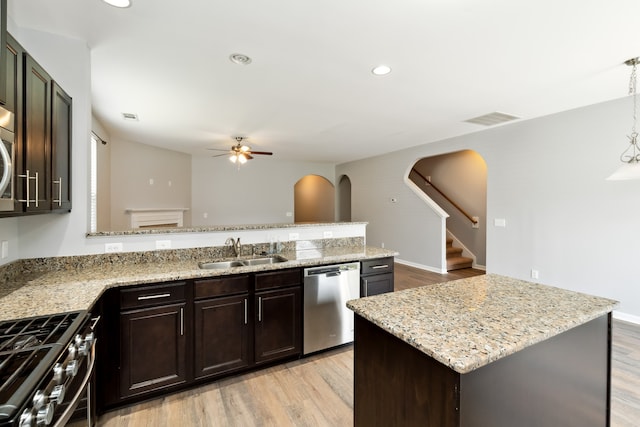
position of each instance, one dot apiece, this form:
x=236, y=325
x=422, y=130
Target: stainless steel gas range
x=46, y=365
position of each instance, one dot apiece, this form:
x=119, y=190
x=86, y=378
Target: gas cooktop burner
x=28, y=350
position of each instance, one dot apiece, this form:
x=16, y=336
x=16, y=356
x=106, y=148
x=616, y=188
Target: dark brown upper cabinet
x=34, y=178
x=60, y=150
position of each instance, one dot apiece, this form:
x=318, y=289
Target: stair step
x=459, y=262
x=449, y=242
x=453, y=252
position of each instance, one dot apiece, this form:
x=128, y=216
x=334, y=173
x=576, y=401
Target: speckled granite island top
x=67, y=288
x=468, y=323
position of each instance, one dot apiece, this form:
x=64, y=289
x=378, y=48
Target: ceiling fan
x=240, y=153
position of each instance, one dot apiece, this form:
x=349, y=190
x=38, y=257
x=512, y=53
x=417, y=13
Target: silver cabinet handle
x=59, y=182
x=146, y=297
x=366, y=287
x=181, y=321
x=37, y=195
x=259, y=309
x=245, y=311
x=376, y=267
x=28, y=178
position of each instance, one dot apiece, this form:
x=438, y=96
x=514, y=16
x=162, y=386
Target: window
x=93, y=187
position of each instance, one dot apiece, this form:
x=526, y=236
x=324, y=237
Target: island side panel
x=397, y=385
x=563, y=381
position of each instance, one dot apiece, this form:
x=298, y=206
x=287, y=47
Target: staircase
x=455, y=260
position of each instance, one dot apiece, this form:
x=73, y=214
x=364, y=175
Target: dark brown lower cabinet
x=278, y=324
x=564, y=381
x=171, y=335
x=153, y=348
x=221, y=335
x=376, y=276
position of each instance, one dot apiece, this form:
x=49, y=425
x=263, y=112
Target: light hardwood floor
x=318, y=391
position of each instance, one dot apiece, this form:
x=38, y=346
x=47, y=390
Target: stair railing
x=454, y=204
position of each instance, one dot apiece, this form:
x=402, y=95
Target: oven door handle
x=7, y=170
x=73, y=404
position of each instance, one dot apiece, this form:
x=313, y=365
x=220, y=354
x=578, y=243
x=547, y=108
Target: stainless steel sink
x=220, y=265
x=272, y=259
x=241, y=262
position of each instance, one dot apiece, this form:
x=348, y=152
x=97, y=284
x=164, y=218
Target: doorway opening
x=314, y=199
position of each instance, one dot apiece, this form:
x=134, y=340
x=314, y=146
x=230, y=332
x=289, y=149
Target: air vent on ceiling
x=491, y=119
x=130, y=116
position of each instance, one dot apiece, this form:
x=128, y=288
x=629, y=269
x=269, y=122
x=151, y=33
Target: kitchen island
x=483, y=351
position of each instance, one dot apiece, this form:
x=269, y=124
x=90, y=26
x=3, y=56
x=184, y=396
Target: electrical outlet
x=294, y=236
x=163, y=244
x=5, y=249
x=327, y=234
x=500, y=222
x=535, y=274
x=110, y=248
x=289, y=214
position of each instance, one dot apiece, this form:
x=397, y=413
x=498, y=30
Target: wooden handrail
x=454, y=204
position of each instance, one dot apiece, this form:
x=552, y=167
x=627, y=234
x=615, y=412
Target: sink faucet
x=235, y=245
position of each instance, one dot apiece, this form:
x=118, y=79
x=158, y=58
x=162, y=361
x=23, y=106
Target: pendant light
x=630, y=157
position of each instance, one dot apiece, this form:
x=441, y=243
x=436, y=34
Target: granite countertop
x=61, y=288
x=468, y=323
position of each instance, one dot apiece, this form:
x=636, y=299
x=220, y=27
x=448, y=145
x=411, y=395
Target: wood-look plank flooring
x=318, y=390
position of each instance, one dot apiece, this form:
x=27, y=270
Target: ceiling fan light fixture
x=242, y=158
x=118, y=3
x=233, y=158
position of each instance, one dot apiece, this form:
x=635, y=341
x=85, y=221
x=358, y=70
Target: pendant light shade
x=630, y=157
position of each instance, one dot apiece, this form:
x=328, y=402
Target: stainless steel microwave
x=7, y=156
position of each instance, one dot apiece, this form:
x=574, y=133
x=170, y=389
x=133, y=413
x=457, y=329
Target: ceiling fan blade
x=218, y=149
x=265, y=153
x=248, y=156
x=220, y=155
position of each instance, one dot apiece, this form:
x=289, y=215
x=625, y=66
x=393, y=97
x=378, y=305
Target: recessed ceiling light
x=118, y=3
x=381, y=70
x=238, y=58
x=130, y=116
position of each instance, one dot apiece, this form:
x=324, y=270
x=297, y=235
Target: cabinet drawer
x=278, y=279
x=147, y=296
x=377, y=266
x=221, y=286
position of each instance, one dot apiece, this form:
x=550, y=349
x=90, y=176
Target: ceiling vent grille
x=492, y=119
x=130, y=116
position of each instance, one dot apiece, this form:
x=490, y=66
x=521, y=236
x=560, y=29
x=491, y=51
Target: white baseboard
x=626, y=317
x=420, y=266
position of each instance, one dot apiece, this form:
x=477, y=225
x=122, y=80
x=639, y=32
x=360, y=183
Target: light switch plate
x=163, y=244
x=110, y=248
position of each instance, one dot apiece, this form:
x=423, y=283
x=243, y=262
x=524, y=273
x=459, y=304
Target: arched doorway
x=457, y=182
x=314, y=199
x=344, y=199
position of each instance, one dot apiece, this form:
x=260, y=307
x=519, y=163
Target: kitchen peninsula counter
x=55, y=285
x=487, y=350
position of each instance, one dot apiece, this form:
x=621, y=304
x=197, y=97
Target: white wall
x=259, y=192
x=546, y=178
x=144, y=176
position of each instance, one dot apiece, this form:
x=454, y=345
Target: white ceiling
x=309, y=92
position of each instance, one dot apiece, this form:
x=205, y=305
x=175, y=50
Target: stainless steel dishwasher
x=327, y=320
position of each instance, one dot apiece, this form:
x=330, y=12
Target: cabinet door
x=3, y=60
x=376, y=284
x=153, y=348
x=35, y=178
x=221, y=335
x=60, y=149
x=278, y=324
